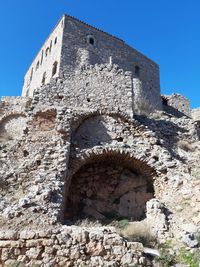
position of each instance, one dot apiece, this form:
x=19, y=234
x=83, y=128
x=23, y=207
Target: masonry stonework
x=41, y=70
x=79, y=46
x=92, y=146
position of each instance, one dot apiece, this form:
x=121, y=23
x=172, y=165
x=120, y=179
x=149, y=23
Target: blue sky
x=167, y=31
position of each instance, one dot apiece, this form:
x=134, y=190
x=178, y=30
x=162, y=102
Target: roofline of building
x=110, y=35
x=85, y=23
x=88, y=25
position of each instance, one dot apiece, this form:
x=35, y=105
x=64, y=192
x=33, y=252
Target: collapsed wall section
x=100, y=87
x=176, y=104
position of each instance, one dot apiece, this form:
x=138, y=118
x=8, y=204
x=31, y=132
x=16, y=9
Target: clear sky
x=167, y=31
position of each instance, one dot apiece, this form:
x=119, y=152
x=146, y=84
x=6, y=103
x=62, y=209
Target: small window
x=50, y=47
x=137, y=71
x=47, y=51
x=91, y=40
x=41, y=58
x=37, y=65
x=44, y=78
x=31, y=77
x=55, y=41
x=54, y=70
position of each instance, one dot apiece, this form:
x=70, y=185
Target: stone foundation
x=69, y=246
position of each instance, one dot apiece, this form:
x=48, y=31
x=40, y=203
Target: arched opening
x=109, y=186
x=137, y=71
x=50, y=47
x=91, y=40
x=42, y=55
x=37, y=65
x=54, y=70
x=101, y=129
x=12, y=126
x=44, y=78
x=47, y=51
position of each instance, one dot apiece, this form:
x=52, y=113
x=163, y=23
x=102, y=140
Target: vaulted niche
x=110, y=185
x=12, y=126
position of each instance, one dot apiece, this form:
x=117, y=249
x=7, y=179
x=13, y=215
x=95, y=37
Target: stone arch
x=108, y=184
x=12, y=126
x=78, y=119
x=100, y=128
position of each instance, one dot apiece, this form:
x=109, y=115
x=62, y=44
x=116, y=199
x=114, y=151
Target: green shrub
x=189, y=258
x=123, y=223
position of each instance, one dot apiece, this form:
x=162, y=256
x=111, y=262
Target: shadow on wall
x=198, y=129
x=166, y=132
x=95, y=131
x=174, y=112
x=110, y=186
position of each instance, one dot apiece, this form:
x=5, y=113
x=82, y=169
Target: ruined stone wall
x=102, y=87
x=196, y=114
x=96, y=88
x=178, y=103
x=13, y=104
x=13, y=117
x=48, y=58
x=69, y=246
x=108, y=191
x=40, y=166
x=37, y=163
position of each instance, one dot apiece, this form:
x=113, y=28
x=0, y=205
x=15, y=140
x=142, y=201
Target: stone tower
x=85, y=141
x=74, y=46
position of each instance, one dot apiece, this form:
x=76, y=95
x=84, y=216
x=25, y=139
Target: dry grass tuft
x=88, y=223
x=138, y=232
x=185, y=145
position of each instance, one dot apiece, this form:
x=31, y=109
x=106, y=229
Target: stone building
x=91, y=139
x=73, y=46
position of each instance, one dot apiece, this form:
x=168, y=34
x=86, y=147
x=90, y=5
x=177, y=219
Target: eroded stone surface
x=94, y=143
x=106, y=190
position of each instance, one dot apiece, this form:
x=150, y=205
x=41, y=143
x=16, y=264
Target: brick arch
x=12, y=114
x=109, y=180
x=121, y=155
